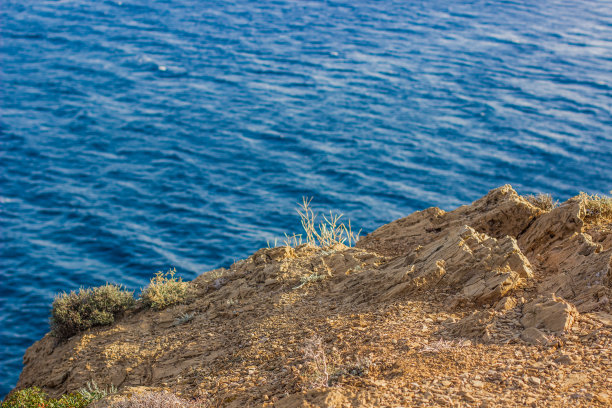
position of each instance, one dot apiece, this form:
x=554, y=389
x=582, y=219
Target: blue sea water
x=139, y=135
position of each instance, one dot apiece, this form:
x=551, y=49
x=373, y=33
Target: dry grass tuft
x=542, y=201
x=327, y=233
x=598, y=208
x=442, y=345
x=164, y=290
x=314, y=277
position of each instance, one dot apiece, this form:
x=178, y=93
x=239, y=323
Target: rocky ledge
x=501, y=302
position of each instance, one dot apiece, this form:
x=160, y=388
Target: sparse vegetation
x=542, y=201
x=184, y=318
x=598, y=208
x=164, y=290
x=34, y=397
x=77, y=311
x=319, y=234
x=361, y=368
x=92, y=392
x=327, y=233
x=442, y=345
x=314, y=277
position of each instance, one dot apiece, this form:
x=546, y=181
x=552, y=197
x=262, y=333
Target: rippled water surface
x=139, y=135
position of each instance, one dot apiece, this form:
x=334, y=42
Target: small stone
x=535, y=381
x=477, y=383
x=563, y=359
x=534, y=336
x=446, y=383
x=468, y=397
x=602, y=397
x=549, y=312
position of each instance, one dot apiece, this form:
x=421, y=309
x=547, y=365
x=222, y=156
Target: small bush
x=34, y=397
x=542, y=201
x=598, y=208
x=30, y=397
x=77, y=311
x=164, y=290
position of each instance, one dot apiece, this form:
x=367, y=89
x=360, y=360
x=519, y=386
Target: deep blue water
x=137, y=135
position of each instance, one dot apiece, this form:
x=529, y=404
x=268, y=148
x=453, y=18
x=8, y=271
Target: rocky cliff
x=501, y=302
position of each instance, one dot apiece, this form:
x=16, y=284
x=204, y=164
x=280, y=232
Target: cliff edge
x=501, y=302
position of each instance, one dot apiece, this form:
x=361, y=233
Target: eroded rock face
x=571, y=264
x=552, y=228
x=550, y=313
x=473, y=266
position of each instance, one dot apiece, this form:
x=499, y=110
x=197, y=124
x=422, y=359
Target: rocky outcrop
x=465, y=307
x=472, y=266
x=500, y=213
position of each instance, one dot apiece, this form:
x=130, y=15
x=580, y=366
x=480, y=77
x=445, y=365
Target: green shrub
x=77, y=311
x=34, y=397
x=29, y=397
x=164, y=290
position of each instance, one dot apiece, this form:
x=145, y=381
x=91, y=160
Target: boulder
x=550, y=313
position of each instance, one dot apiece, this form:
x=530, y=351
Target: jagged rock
x=603, y=318
x=473, y=265
x=501, y=212
x=549, y=312
x=577, y=269
x=547, y=230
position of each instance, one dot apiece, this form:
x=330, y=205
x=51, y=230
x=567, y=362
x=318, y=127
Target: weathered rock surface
x=474, y=266
x=497, y=303
x=549, y=312
x=500, y=213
